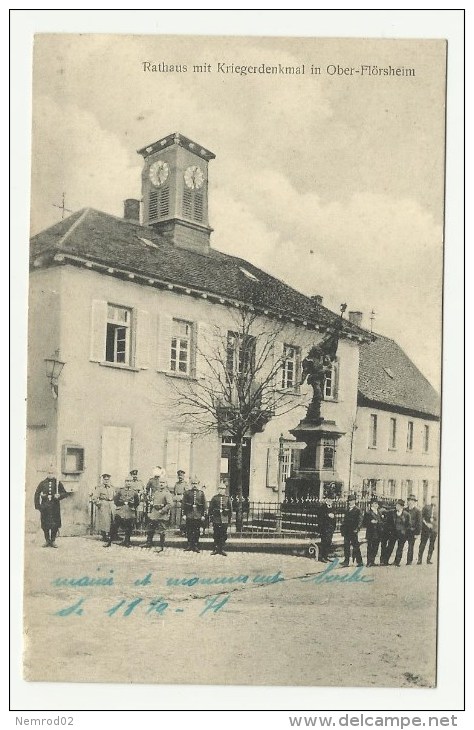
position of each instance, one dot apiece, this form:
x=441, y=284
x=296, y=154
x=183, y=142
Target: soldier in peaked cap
x=126, y=502
x=414, y=527
x=178, y=492
x=350, y=527
x=220, y=513
x=48, y=494
x=194, y=507
x=103, y=499
x=159, y=514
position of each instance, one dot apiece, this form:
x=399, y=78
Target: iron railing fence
x=292, y=518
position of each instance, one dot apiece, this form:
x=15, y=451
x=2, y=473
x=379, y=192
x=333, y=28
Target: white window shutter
x=172, y=448
x=272, y=466
x=278, y=350
x=142, y=339
x=184, y=453
x=98, y=330
x=165, y=325
x=202, y=348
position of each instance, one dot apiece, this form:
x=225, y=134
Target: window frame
x=410, y=433
x=295, y=360
x=426, y=438
x=234, y=358
x=179, y=339
x=118, y=325
x=392, y=434
x=333, y=381
x=373, y=424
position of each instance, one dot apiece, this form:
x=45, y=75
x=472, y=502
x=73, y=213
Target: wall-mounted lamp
x=54, y=367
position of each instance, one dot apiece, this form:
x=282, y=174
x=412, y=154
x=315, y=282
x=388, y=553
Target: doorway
x=228, y=465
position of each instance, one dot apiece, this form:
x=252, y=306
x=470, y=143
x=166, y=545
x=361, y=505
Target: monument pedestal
x=317, y=474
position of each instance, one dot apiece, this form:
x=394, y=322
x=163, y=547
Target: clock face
x=159, y=172
x=194, y=177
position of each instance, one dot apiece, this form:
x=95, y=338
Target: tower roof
x=178, y=139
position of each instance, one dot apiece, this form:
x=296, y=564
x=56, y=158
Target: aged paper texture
x=234, y=360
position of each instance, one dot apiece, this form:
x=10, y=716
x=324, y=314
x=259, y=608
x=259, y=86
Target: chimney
x=317, y=299
x=355, y=318
x=131, y=210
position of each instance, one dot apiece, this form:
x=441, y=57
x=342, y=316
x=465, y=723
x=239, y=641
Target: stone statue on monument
x=317, y=366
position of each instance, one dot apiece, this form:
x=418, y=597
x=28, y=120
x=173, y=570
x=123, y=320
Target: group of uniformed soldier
x=155, y=507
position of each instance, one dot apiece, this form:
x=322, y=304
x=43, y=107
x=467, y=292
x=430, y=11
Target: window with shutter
x=142, y=339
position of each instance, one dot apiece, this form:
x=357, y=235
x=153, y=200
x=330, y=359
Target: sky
x=333, y=183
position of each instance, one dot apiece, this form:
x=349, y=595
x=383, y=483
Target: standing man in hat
x=327, y=525
x=194, y=510
x=126, y=502
x=350, y=527
x=139, y=487
x=48, y=494
x=103, y=499
x=159, y=514
x=414, y=527
x=398, y=524
x=220, y=513
x=373, y=522
x=178, y=492
x=429, y=529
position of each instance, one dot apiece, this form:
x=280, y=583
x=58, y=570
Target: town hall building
x=121, y=314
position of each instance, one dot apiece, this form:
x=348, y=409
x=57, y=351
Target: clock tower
x=175, y=191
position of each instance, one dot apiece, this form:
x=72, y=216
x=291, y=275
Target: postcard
x=234, y=360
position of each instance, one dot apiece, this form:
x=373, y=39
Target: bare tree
x=238, y=386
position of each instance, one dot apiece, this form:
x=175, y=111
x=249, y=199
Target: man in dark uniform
x=48, y=494
x=349, y=530
x=373, y=522
x=429, y=530
x=220, y=513
x=327, y=525
x=194, y=510
x=414, y=527
x=161, y=503
x=126, y=500
x=398, y=523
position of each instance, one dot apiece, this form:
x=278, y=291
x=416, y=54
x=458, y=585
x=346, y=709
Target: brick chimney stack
x=356, y=318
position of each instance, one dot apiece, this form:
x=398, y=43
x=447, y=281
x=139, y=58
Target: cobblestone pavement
x=249, y=618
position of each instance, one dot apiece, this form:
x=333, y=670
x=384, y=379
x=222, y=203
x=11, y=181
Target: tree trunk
x=238, y=470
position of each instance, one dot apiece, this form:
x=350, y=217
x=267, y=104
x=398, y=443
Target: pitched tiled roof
x=387, y=377
x=105, y=239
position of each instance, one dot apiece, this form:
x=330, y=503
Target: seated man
x=126, y=500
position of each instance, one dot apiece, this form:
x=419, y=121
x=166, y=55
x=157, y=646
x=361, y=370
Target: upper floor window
x=331, y=382
x=373, y=430
x=118, y=334
x=392, y=441
x=410, y=436
x=391, y=487
x=181, y=339
x=289, y=371
x=240, y=354
x=426, y=438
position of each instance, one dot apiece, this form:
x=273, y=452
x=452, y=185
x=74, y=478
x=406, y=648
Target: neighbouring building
x=126, y=306
x=396, y=435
